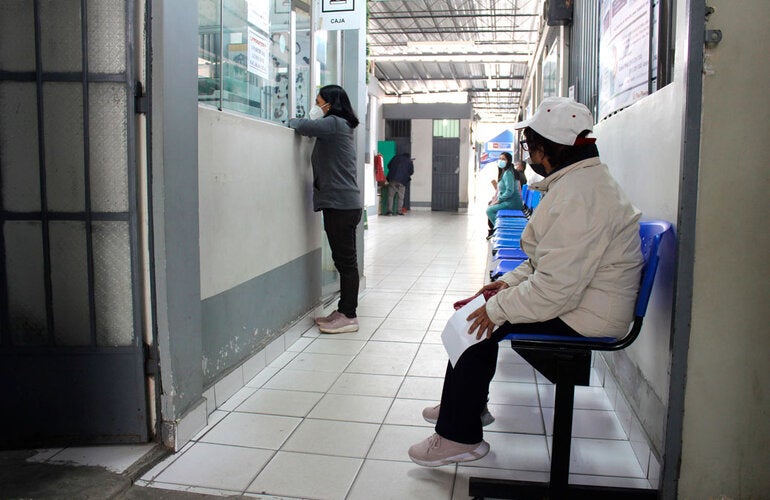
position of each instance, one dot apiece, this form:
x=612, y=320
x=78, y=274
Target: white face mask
x=315, y=112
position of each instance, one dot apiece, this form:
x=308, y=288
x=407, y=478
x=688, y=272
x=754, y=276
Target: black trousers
x=340, y=227
x=466, y=386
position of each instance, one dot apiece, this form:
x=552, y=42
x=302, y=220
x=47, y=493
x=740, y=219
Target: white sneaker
x=340, y=324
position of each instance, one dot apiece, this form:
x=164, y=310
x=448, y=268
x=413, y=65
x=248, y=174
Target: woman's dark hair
x=508, y=158
x=339, y=104
x=560, y=155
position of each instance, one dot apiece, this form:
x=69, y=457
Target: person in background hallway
x=508, y=196
x=336, y=194
x=400, y=170
x=581, y=279
x=518, y=174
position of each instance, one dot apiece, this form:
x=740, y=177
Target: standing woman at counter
x=336, y=194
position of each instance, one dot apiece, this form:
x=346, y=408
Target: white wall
x=726, y=434
x=256, y=209
x=642, y=147
x=422, y=151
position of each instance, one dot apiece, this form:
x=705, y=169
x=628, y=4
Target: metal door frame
x=115, y=406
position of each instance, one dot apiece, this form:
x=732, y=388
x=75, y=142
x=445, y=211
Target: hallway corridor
x=334, y=415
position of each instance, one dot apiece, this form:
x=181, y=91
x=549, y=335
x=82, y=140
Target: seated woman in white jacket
x=581, y=278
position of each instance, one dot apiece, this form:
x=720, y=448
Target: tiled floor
x=334, y=415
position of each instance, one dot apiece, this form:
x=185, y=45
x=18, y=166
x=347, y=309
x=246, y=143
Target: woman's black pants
x=466, y=386
x=340, y=227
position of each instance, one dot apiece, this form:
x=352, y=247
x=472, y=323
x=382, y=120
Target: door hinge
x=141, y=101
x=711, y=37
x=150, y=361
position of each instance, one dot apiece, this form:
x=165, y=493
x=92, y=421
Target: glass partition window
x=327, y=51
x=245, y=52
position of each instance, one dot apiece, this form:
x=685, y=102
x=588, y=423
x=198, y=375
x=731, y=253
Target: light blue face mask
x=502, y=163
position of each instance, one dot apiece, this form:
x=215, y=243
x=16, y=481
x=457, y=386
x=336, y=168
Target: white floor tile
x=421, y=388
x=514, y=372
x=331, y=345
x=352, y=408
x=393, y=442
x=409, y=412
x=515, y=451
x=596, y=424
x=237, y=398
x=279, y=402
x=319, y=362
x=513, y=393
x=303, y=475
x=379, y=364
x=384, y=480
x=517, y=419
x=253, y=430
x=301, y=380
x=262, y=377
x=329, y=437
x=603, y=457
x=398, y=335
x=216, y=466
x=365, y=384
x=402, y=350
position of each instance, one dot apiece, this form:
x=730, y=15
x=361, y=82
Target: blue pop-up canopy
x=502, y=142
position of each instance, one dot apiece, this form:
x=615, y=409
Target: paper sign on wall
x=259, y=54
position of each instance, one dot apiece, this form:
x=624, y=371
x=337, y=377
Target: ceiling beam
x=477, y=57
x=452, y=78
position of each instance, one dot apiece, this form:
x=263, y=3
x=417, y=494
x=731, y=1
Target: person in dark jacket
x=400, y=170
x=336, y=194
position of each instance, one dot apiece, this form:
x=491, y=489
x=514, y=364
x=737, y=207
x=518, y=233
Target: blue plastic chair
x=566, y=362
x=511, y=253
x=503, y=266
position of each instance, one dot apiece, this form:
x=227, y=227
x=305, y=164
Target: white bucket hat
x=559, y=119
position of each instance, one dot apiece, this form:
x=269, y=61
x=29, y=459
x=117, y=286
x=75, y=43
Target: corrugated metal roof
x=481, y=47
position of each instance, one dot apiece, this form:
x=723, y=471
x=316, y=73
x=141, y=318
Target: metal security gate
x=71, y=350
x=445, y=193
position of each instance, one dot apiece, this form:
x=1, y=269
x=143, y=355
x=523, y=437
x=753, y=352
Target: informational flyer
x=624, y=54
x=259, y=54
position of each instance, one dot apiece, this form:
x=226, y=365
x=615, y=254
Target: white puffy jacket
x=584, y=256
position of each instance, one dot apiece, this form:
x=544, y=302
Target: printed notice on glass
x=455, y=336
x=259, y=54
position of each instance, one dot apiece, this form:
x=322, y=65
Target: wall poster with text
x=624, y=54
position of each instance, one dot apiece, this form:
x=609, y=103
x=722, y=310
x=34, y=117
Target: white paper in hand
x=455, y=336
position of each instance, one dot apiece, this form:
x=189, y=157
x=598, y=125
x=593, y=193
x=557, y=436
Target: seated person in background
x=508, y=193
x=581, y=278
x=519, y=175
